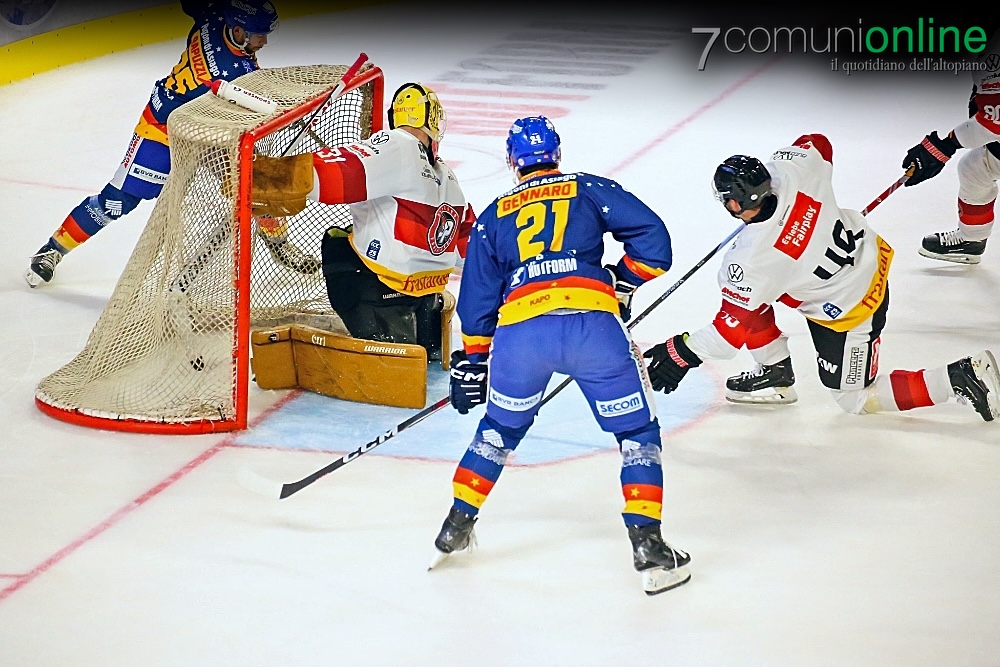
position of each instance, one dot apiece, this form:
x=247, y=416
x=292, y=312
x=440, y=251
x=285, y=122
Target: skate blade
x=439, y=557
x=659, y=580
x=955, y=259
x=32, y=278
x=769, y=396
x=985, y=366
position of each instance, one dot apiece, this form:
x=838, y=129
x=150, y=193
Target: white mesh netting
x=165, y=348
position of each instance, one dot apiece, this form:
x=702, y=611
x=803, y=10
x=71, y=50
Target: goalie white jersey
x=411, y=219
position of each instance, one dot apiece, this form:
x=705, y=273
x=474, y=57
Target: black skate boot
x=43, y=265
x=976, y=382
x=456, y=534
x=952, y=247
x=764, y=384
x=663, y=567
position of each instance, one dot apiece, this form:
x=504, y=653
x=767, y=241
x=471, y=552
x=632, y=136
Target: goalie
x=385, y=276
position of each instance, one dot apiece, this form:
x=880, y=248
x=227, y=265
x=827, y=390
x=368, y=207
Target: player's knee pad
x=641, y=445
x=855, y=401
x=495, y=441
x=116, y=203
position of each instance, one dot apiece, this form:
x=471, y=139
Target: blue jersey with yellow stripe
x=539, y=248
x=210, y=54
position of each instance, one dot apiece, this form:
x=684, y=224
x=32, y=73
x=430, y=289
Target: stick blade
x=257, y=484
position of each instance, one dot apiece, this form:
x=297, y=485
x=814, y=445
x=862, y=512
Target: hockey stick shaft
x=660, y=299
x=334, y=94
x=900, y=182
x=293, y=487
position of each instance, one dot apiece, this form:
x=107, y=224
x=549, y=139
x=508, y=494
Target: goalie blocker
x=352, y=369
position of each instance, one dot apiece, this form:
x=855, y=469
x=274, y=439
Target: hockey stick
x=334, y=94
x=900, y=182
x=868, y=209
x=660, y=299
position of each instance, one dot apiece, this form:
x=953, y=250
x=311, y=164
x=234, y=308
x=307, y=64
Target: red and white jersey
x=411, y=219
x=984, y=127
x=811, y=254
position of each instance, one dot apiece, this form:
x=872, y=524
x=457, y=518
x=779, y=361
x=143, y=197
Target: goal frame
x=242, y=261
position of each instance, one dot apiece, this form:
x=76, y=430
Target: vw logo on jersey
x=443, y=230
x=992, y=62
x=735, y=273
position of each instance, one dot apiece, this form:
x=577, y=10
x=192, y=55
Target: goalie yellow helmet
x=416, y=105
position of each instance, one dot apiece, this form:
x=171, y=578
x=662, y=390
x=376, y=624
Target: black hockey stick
x=266, y=488
x=660, y=299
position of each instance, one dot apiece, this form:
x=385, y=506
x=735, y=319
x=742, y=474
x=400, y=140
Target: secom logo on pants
x=619, y=406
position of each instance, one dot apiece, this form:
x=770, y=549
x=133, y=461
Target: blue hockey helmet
x=254, y=16
x=744, y=179
x=532, y=140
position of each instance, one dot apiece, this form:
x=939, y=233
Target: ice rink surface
x=817, y=537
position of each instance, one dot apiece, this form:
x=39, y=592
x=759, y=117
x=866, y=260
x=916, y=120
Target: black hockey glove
x=467, y=387
x=670, y=363
x=928, y=157
x=623, y=292
x=973, y=107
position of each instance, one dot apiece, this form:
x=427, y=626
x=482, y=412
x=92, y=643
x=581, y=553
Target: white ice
x=817, y=537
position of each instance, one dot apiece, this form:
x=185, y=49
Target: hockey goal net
x=170, y=352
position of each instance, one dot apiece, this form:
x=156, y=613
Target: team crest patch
x=443, y=230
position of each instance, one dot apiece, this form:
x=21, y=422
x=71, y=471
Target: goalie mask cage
x=170, y=352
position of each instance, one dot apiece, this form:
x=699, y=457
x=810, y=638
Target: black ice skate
x=663, y=567
x=291, y=256
x=764, y=384
x=952, y=247
x=456, y=534
x=976, y=382
x=43, y=265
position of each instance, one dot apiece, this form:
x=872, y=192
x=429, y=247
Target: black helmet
x=743, y=179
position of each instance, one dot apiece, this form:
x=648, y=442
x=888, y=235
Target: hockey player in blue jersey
x=222, y=44
x=535, y=300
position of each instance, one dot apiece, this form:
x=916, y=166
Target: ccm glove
x=623, y=292
x=467, y=387
x=670, y=363
x=928, y=157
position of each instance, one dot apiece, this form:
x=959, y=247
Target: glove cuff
x=941, y=149
x=680, y=353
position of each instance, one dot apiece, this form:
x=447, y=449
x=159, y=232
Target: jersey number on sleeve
x=847, y=241
x=533, y=221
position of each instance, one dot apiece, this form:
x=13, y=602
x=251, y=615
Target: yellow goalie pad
x=447, y=312
x=351, y=369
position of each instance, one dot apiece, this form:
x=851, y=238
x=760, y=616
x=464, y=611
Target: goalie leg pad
x=354, y=369
x=447, y=314
x=273, y=363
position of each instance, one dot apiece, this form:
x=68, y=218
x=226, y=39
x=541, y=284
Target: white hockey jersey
x=411, y=219
x=811, y=255
x=984, y=126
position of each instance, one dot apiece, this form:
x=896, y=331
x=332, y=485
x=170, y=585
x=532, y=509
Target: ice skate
x=456, y=534
x=976, y=382
x=43, y=265
x=289, y=255
x=764, y=384
x=662, y=566
x=952, y=247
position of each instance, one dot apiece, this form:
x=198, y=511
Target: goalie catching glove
x=467, y=387
x=281, y=185
x=670, y=363
x=929, y=157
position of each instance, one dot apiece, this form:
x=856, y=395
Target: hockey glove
x=467, y=387
x=281, y=185
x=623, y=292
x=928, y=157
x=670, y=363
x=973, y=106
